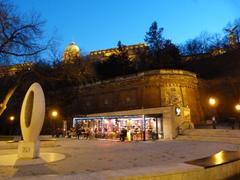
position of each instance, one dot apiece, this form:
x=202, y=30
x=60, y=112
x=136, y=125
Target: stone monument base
x=44, y=158
x=28, y=149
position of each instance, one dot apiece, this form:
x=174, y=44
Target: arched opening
x=29, y=108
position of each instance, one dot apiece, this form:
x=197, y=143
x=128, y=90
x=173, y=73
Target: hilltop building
x=71, y=53
x=132, y=51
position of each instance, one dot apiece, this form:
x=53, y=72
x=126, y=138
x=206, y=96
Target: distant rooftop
x=13, y=69
x=111, y=50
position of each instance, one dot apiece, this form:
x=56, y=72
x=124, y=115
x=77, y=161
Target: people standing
x=79, y=132
x=123, y=134
x=214, y=122
x=152, y=134
x=233, y=123
x=87, y=133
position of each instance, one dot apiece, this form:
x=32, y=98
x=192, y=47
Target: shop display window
x=110, y=128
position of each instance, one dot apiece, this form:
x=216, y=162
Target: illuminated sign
x=178, y=111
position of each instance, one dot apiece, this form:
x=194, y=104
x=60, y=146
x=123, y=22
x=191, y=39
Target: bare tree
x=21, y=35
x=204, y=43
x=3, y=105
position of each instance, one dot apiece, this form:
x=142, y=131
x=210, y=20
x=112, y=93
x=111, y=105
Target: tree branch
x=23, y=54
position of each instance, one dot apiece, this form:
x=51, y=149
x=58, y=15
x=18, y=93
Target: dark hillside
x=227, y=64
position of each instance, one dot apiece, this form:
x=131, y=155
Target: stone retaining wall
x=159, y=88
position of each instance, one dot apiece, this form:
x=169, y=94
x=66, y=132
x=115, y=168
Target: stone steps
x=212, y=132
x=209, y=138
x=216, y=135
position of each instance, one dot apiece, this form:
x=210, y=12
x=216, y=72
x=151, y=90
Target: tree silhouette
x=170, y=56
x=155, y=40
x=20, y=34
x=162, y=52
x=204, y=43
x=116, y=64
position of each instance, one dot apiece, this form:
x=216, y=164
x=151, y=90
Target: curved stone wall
x=158, y=88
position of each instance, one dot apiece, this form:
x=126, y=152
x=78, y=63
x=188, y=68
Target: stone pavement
x=96, y=159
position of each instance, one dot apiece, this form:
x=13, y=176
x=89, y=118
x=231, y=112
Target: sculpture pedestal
x=28, y=149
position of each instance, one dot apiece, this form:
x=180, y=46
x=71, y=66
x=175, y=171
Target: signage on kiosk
x=178, y=111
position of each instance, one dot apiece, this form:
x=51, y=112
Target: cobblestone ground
x=89, y=156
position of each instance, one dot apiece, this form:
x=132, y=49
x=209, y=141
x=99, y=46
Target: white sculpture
x=31, y=120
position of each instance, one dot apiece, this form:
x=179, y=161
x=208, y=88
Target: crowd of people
x=83, y=133
x=86, y=133
x=79, y=133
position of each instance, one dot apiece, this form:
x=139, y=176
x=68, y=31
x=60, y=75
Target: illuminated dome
x=71, y=53
x=72, y=47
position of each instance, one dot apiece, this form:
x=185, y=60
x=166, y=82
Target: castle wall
x=159, y=88
x=226, y=91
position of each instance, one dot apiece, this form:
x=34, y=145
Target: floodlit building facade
x=155, y=104
x=162, y=102
x=132, y=51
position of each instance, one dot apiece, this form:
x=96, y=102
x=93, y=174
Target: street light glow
x=11, y=118
x=212, y=101
x=237, y=107
x=54, y=113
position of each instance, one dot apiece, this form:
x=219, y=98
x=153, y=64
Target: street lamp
x=212, y=101
x=11, y=118
x=237, y=108
x=54, y=115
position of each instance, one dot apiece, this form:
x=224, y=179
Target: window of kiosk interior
x=111, y=127
x=151, y=129
x=85, y=123
x=106, y=128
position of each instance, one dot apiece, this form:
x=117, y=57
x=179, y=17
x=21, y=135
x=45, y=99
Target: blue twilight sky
x=99, y=24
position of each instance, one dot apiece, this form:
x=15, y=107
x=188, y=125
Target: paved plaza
x=102, y=159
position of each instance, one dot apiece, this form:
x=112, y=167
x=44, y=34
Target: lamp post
x=237, y=108
x=54, y=115
x=212, y=102
x=11, y=118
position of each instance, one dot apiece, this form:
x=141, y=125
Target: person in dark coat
x=79, y=133
x=123, y=134
x=214, y=122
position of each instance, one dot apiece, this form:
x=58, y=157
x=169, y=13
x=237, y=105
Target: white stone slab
x=13, y=160
x=28, y=149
